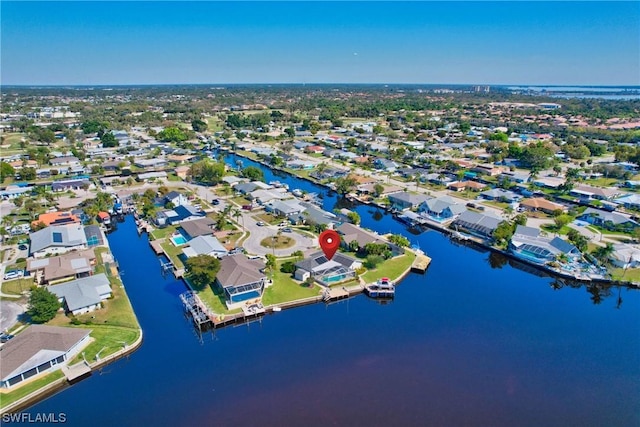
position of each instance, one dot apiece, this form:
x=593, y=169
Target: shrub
x=373, y=261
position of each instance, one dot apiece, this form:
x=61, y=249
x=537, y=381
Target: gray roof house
x=482, y=225
x=204, y=245
x=72, y=265
x=313, y=215
x=405, y=200
x=284, y=207
x=57, y=239
x=246, y=187
x=608, y=220
x=441, y=209
x=527, y=244
x=241, y=279
x=340, y=267
x=198, y=227
x=39, y=349
x=83, y=295
x=350, y=232
x=500, y=194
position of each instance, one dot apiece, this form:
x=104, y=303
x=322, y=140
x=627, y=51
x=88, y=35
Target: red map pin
x=329, y=242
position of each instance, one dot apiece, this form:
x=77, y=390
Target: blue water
x=475, y=341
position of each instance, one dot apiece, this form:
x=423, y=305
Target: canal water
x=474, y=341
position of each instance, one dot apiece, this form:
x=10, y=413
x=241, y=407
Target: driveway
x=9, y=312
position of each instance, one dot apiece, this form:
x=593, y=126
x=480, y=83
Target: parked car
x=287, y=230
x=13, y=274
x=215, y=202
x=247, y=207
x=23, y=247
x=5, y=337
x=260, y=223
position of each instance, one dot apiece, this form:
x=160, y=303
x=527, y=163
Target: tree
x=172, y=134
x=372, y=261
x=562, y=220
x=202, y=270
x=290, y=132
x=28, y=174
x=354, y=217
x=199, y=125
x=499, y=136
x=399, y=240
x=288, y=267
x=271, y=261
x=579, y=240
x=378, y=189
x=108, y=140
x=253, y=173
x=6, y=171
x=207, y=172
x=503, y=232
x=345, y=184
x=354, y=246
x=43, y=305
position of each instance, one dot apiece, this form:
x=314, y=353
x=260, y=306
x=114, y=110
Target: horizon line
x=634, y=85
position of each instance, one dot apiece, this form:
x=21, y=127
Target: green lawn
x=268, y=218
x=19, y=393
x=215, y=300
x=631, y=274
x=173, y=177
x=17, y=286
x=214, y=124
x=173, y=253
x=161, y=233
x=391, y=268
x=280, y=242
x=240, y=201
x=499, y=205
x=551, y=228
x=602, y=182
x=284, y=289
x=107, y=340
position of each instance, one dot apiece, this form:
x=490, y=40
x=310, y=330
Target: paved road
x=253, y=246
x=9, y=313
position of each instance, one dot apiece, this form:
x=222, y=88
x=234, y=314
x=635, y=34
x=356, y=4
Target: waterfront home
x=500, y=195
x=198, y=227
x=241, y=279
x=284, y=207
x=441, y=209
x=262, y=197
x=83, y=295
x=69, y=266
x=57, y=240
x=56, y=218
x=246, y=187
x=204, y=245
x=313, y=215
x=479, y=224
x=233, y=180
x=609, y=220
x=326, y=272
x=328, y=172
x=177, y=215
x=625, y=256
x=350, y=232
x=541, y=204
x=528, y=244
x=300, y=164
x=39, y=349
x=404, y=200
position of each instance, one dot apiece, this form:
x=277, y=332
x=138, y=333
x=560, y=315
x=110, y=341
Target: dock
x=77, y=371
x=155, y=244
x=335, y=294
x=421, y=263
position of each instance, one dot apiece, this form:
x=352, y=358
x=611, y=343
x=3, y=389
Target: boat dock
x=421, y=263
x=77, y=371
x=335, y=294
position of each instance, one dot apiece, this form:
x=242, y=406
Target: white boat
x=297, y=193
x=277, y=309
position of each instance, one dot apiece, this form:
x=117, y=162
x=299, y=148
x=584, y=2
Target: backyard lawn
x=20, y=392
x=284, y=289
x=391, y=268
x=631, y=274
x=17, y=286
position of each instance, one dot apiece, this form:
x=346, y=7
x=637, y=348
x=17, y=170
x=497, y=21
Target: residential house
x=83, y=295
x=489, y=169
x=284, y=208
x=466, y=185
x=69, y=266
x=241, y=279
x=40, y=349
x=385, y=165
x=65, y=162
x=500, y=195
x=177, y=215
x=13, y=191
x=300, y=164
x=263, y=197
x=630, y=201
x=246, y=187
x=314, y=215
x=176, y=198
x=339, y=268
x=587, y=192
x=625, y=256
x=56, y=218
x=198, y=227
x=441, y=209
x=70, y=184
x=479, y=224
x=151, y=175
x=57, y=240
x=350, y=232
x=550, y=182
x=182, y=172
x=541, y=204
x=528, y=244
x=609, y=220
x=150, y=163
x=404, y=200
x=204, y=245
x=233, y=180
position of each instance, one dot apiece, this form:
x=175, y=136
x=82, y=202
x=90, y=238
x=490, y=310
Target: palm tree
x=238, y=214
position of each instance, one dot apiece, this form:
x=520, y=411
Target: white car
x=13, y=274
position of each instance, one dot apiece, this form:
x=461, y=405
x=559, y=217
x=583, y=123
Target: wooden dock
x=157, y=248
x=335, y=294
x=421, y=263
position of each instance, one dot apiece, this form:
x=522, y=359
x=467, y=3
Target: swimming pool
x=178, y=240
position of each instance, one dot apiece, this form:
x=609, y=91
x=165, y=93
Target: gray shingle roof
x=236, y=270
x=36, y=345
x=84, y=292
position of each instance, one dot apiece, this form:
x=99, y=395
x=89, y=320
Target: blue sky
x=48, y=43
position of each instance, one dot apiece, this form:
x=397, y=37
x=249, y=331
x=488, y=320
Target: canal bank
x=463, y=238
